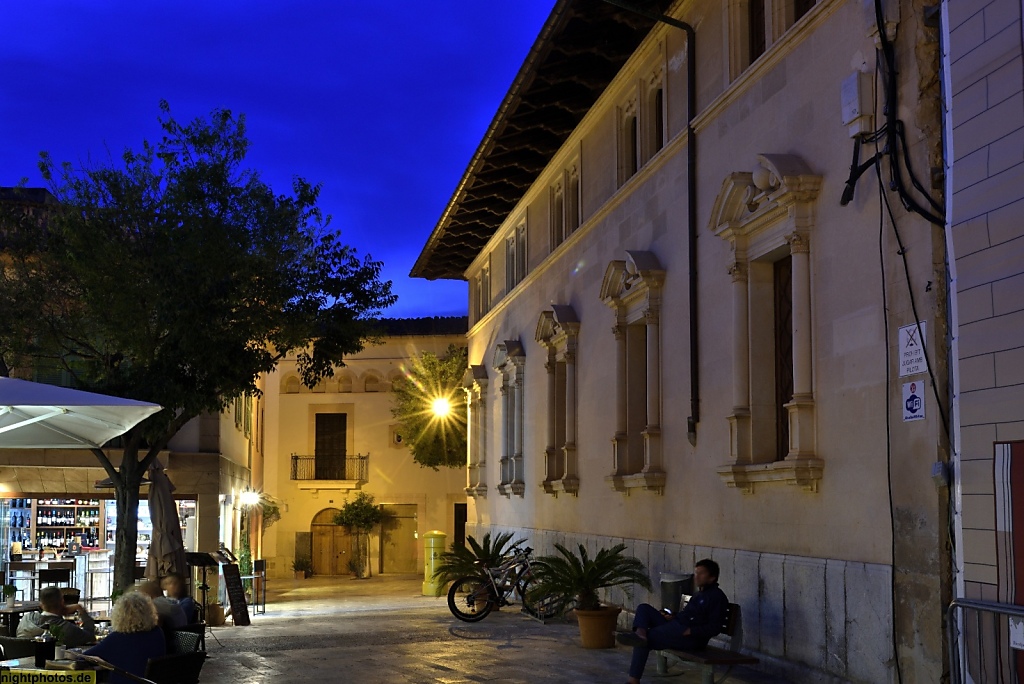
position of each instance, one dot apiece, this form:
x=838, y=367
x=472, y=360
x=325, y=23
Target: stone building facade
x=685, y=324
x=347, y=421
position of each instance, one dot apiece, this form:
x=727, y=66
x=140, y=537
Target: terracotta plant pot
x=597, y=627
x=300, y=574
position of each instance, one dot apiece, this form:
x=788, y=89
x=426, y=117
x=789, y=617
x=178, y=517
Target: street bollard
x=433, y=547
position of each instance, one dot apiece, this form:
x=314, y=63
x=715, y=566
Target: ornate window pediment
x=557, y=331
x=510, y=361
x=632, y=288
x=475, y=383
x=778, y=195
x=767, y=216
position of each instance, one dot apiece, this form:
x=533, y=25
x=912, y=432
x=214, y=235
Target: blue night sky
x=383, y=103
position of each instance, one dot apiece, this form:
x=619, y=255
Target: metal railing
x=305, y=467
x=982, y=653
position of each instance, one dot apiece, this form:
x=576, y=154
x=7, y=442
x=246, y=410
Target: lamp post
x=248, y=500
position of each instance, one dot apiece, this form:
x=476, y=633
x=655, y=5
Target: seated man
x=54, y=612
x=174, y=585
x=690, y=629
x=170, y=614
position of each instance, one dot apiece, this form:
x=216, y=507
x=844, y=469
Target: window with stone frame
x=557, y=332
x=573, y=215
x=515, y=256
x=755, y=25
x=632, y=289
x=767, y=216
x=481, y=292
x=557, y=210
x=509, y=362
x=564, y=204
x=475, y=385
x=628, y=140
x=656, y=123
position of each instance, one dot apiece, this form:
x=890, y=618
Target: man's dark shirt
x=704, y=614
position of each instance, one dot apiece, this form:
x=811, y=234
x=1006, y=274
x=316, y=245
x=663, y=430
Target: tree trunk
x=127, y=536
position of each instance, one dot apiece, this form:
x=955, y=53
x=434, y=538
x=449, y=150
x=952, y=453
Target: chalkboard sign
x=236, y=594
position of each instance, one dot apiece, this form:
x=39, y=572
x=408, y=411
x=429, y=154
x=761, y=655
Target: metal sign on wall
x=913, y=401
x=911, y=349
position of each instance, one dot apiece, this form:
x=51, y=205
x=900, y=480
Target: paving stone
x=382, y=630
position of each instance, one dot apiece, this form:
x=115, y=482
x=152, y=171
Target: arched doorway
x=332, y=545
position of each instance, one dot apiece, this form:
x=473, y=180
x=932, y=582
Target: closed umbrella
x=166, y=548
x=38, y=416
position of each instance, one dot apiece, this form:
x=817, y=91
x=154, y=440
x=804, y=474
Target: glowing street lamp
x=441, y=407
x=249, y=498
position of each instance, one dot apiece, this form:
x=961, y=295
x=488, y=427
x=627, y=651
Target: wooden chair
x=177, y=668
x=14, y=647
x=54, y=577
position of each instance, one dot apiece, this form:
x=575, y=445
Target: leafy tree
x=179, y=277
x=434, y=440
x=360, y=515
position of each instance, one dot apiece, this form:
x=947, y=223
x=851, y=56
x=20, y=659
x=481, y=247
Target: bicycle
x=473, y=597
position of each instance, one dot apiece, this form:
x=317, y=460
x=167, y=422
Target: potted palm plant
x=576, y=577
x=302, y=566
x=9, y=591
x=471, y=559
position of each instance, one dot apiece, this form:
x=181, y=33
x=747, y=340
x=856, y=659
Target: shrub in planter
x=576, y=577
x=303, y=567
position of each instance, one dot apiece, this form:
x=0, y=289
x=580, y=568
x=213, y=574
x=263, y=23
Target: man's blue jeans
x=661, y=633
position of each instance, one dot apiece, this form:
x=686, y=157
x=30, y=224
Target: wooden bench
x=711, y=656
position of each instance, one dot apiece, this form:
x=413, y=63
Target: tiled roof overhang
x=581, y=48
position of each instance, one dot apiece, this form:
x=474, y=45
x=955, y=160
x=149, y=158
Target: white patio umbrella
x=37, y=416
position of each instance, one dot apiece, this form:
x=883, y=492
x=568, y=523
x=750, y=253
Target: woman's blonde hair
x=133, y=612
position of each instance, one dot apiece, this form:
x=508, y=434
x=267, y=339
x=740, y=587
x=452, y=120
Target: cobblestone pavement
x=381, y=630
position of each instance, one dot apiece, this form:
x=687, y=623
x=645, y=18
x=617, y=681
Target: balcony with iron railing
x=330, y=472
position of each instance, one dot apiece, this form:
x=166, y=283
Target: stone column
x=801, y=408
x=472, y=472
x=800, y=251
x=551, y=452
x=653, y=370
x=517, y=475
x=506, y=432
x=570, y=397
x=619, y=440
x=739, y=421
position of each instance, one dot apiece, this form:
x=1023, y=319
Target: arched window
x=345, y=382
x=290, y=385
x=372, y=382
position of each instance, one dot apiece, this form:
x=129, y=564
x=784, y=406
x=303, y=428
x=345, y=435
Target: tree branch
x=115, y=476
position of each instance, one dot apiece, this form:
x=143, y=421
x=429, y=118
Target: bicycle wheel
x=470, y=599
x=542, y=607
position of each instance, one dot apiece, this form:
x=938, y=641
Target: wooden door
x=329, y=455
x=332, y=545
x=398, y=539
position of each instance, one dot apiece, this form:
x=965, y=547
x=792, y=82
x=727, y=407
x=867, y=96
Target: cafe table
x=29, y=663
x=11, y=613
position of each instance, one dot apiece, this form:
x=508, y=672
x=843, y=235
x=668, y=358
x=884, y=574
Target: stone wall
x=810, y=619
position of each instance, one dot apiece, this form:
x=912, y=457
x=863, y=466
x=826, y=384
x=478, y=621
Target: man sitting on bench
x=689, y=630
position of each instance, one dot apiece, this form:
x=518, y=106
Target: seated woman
x=134, y=639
